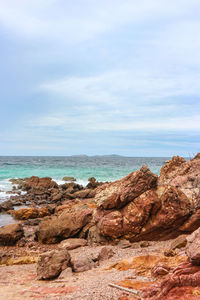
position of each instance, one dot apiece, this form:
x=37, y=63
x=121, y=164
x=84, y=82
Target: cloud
x=63, y=20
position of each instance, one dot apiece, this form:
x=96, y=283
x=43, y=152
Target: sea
x=82, y=167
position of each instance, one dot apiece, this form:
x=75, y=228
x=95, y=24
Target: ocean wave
x=79, y=181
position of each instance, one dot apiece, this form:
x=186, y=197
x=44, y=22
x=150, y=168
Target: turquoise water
x=103, y=168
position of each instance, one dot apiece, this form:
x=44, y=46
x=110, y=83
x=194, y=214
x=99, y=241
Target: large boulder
x=154, y=215
x=52, y=263
x=117, y=194
x=10, y=234
x=66, y=225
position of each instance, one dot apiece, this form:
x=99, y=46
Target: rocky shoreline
x=140, y=232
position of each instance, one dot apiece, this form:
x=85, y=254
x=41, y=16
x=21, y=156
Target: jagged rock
x=40, y=184
x=184, y=175
x=10, y=234
x=52, y=263
x=93, y=183
x=30, y=213
x=152, y=216
x=74, y=243
x=193, y=247
x=63, y=226
x=185, y=275
x=117, y=194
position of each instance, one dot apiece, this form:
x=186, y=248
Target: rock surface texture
x=10, y=234
x=187, y=274
x=144, y=207
x=52, y=263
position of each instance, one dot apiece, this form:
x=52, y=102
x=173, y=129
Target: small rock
x=52, y=263
x=105, y=253
x=144, y=244
x=70, y=244
x=124, y=244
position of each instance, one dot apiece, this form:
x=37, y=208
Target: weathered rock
x=40, y=184
x=63, y=226
x=184, y=175
x=30, y=213
x=160, y=270
x=52, y=263
x=74, y=243
x=153, y=215
x=184, y=275
x=193, y=247
x=10, y=234
x=117, y=194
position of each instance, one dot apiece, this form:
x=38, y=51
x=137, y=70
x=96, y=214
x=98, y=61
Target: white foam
x=79, y=181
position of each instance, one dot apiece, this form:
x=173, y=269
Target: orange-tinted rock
x=41, y=184
x=30, y=213
x=10, y=234
x=117, y=194
x=63, y=226
x=152, y=216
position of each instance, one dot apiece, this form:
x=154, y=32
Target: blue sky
x=100, y=77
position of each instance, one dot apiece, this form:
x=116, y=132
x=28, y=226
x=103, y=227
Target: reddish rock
x=52, y=263
x=184, y=175
x=10, y=234
x=160, y=270
x=154, y=215
x=193, y=247
x=30, y=213
x=63, y=226
x=41, y=184
x=184, y=275
x=119, y=193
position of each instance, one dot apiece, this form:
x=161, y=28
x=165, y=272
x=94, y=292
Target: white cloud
x=82, y=20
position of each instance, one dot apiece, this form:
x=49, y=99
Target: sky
x=100, y=77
